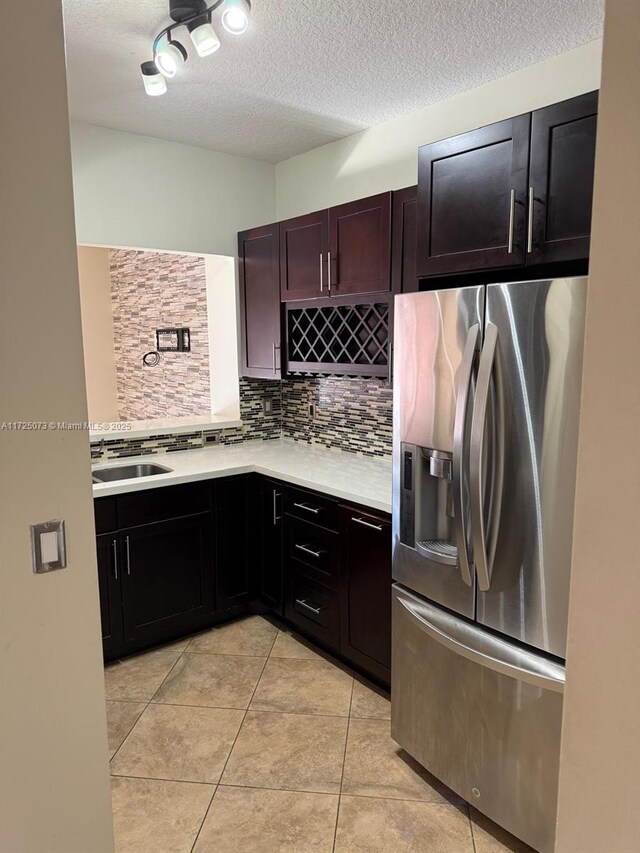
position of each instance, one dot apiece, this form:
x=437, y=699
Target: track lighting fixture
x=235, y=16
x=169, y=55
x=203, y=36
x=154, y=82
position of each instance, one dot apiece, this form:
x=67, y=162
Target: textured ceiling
x=308, y=71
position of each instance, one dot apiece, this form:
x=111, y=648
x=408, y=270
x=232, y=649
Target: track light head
x=235, y=17
x=170, y=57
x=203, y=36
x=154, y=82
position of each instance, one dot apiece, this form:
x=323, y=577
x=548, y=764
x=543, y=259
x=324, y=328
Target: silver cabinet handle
x=308, y=550
x=321, y=281
x=114, y=545
x=303, y=603
x=275, y=347
x=276, y=517
x=377, y=527
x=483, y=551
x=329, y=271
x=512, y=212
x=460, y=452
x=128, y=556
x=530, y=223
x=483, y=649
x=308, y=508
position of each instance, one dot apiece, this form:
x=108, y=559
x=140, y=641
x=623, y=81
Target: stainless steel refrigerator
x=486, y=404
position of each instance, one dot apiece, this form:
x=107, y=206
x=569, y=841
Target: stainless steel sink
x=128, y=472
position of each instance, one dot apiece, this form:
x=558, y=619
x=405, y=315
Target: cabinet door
x=237, y=537
x=563, y=148
x=472, y=195
x=303, y=260
x=365, y=624
x=270, y=559
x=260, y=302
x=404, y=240
x=360, y=246
x=109, y=590
x=167, y=577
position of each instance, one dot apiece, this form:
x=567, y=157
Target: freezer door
x=523, y=551
x=436, y=338
x=481, y=714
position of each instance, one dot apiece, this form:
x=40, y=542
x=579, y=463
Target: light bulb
x=170, y=57
x=203, y=36
x=235, y=18
x=154, y=82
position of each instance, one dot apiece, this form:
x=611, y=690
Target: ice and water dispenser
x=426, y=503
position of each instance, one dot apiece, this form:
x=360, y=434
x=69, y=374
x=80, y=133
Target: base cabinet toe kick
x=179, y=559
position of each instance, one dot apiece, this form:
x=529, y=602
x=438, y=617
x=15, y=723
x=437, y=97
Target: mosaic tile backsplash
x=350, y=414
x=149, y=291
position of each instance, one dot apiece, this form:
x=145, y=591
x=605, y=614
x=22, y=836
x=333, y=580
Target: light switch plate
x=48, y=547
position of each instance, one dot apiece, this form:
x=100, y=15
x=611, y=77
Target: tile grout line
x=246, y=711
x=473, y=835
x=147, y=703
x=344, y=761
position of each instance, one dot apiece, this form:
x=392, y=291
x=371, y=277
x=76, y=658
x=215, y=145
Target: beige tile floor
x=244, y=739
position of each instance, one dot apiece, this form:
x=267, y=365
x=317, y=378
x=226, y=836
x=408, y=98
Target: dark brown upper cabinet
x=343, y=251
x=259, y=271
x=563, y=148
x=360, y=246
x=404, y=240
x=472, y=199
x=304, y=243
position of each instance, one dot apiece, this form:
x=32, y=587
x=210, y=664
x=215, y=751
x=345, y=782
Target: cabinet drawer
x=311, y=507
x=152, y=505
x=104, y=510
x=317, y=548
x=314, y=609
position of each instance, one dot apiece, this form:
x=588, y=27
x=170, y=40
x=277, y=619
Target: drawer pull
x=315, y=510
x=377, y=527
x=303, y=603
x=308, y=550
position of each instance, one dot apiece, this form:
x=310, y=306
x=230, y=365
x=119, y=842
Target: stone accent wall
x=149, y=291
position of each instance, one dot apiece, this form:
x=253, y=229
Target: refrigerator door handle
x=460, y=452
x=485, y=540
x=483, y=648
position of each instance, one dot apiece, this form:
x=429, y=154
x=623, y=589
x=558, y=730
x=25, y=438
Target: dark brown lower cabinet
x=237, y=537
x=167, y=577
x=109, y=590
x=365, y=590
x=337, y=571
x=312, y=607
x=324, y=566
x=270, y=589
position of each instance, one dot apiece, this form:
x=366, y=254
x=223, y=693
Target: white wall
x=97, y=333
x=385, y=157
x=133, y=190
x=224, y=335
x=600, y=758
x=53, y=741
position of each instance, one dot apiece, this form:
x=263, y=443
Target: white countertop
x=343, y=475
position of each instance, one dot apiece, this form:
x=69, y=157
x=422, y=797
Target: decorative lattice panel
x=336, y=337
